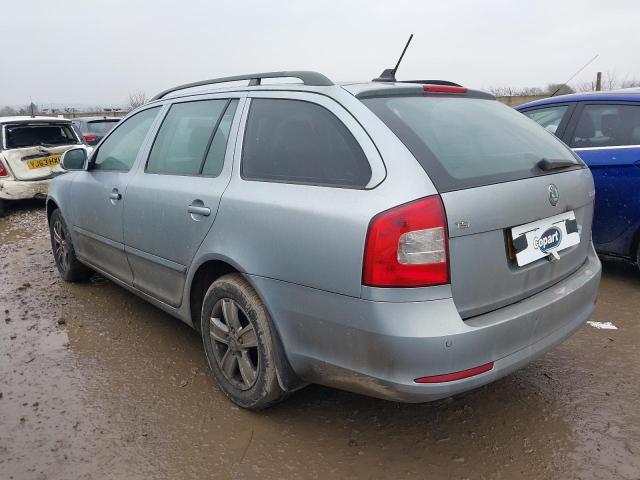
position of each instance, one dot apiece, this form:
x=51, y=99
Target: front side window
x=184, y=137
x=549, y=117
x=295, y=141
x=39, y=135
x=119, y=150
x=607, y=126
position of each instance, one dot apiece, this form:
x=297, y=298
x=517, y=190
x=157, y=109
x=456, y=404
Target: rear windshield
x=469, y=142
x=47, y=135
x=101, y=127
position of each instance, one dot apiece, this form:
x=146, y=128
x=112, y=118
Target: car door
x=553, y=117
x=98, y=195
x=173, y=198
x=606, y=135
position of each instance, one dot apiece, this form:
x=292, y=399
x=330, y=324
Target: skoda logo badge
x=553, y=195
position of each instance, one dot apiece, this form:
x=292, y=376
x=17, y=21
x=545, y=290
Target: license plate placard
x=541, y=238
x=49, y=161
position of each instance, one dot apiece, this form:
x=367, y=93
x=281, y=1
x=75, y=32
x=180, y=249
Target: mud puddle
x=96, y=383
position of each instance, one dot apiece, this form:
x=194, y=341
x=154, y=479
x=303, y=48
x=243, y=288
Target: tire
x=69, y=267
x=238, y=342
x=3, y=208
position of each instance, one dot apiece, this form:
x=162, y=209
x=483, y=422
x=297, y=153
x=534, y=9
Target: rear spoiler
x=405, y=90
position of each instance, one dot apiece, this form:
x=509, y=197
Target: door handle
x=199, y=210
x=114, y=196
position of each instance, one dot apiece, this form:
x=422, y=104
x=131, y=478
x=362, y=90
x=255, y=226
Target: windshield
x=20, y=136
x=469, y=142
x=101, y=127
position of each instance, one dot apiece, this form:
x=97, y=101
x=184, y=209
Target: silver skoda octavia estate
x=404, y=240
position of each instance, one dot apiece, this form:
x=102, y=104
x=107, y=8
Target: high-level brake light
x=443, y=89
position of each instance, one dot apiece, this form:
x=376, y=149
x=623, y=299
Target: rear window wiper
x=548, y=164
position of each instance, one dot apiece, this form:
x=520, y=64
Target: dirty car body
x=30, y=150
x=391, y=272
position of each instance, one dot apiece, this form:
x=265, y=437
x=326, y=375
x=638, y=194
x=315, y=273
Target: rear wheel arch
x=205, y=275
x=209, y=272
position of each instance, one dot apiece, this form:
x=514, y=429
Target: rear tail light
x=3, y=170
x=407, y=246
x=444, y=89
x=89, y=137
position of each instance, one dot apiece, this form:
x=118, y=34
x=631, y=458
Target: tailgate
x=484, y=272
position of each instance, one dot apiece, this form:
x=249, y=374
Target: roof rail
x=308, y=78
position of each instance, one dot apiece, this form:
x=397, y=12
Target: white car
x=30, y=150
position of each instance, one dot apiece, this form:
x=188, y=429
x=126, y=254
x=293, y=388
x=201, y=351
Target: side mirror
x=74, y=159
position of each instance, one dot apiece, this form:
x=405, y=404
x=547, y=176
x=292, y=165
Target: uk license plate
x=545, y=238
x=49, y=161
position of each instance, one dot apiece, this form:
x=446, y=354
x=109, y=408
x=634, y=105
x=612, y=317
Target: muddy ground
x=96, y=383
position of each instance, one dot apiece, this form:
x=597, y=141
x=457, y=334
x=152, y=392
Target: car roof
x=96, y=118
x=358, y=89
x=310, y=82
x=622, y=94
x=36, y=119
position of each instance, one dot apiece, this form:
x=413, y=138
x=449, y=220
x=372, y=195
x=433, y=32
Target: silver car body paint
x=301, y=247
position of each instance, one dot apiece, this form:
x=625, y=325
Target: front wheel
x=69, y=267
x=238, y=342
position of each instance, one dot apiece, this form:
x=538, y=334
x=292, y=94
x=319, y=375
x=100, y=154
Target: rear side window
x=607, y=126
x=295, y=141
x=119, y=150
x=21, y=136
x=549, y=117
x=468, y=142
x=184, y=137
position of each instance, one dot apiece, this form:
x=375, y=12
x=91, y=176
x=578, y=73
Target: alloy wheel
x=235, y=344
x=60, y=246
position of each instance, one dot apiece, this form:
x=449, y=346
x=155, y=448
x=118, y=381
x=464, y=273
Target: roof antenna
x=572, y=76
x=389, y=75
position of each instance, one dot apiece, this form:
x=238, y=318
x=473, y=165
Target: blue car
x=603, y=128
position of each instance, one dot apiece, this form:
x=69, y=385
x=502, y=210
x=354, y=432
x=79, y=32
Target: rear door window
x=549, y=118
x=185, y=137
x=295, y=141
x=215, y=156
x=469, y=142
x=607, y=126
x=39, y=135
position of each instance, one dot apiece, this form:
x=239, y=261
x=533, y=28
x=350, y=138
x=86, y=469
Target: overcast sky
x=96, y=51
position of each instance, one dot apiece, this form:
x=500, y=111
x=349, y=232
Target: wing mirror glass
x=74, y=159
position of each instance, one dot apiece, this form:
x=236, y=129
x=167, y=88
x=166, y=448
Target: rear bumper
x=379, y=348
x=11, y=189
